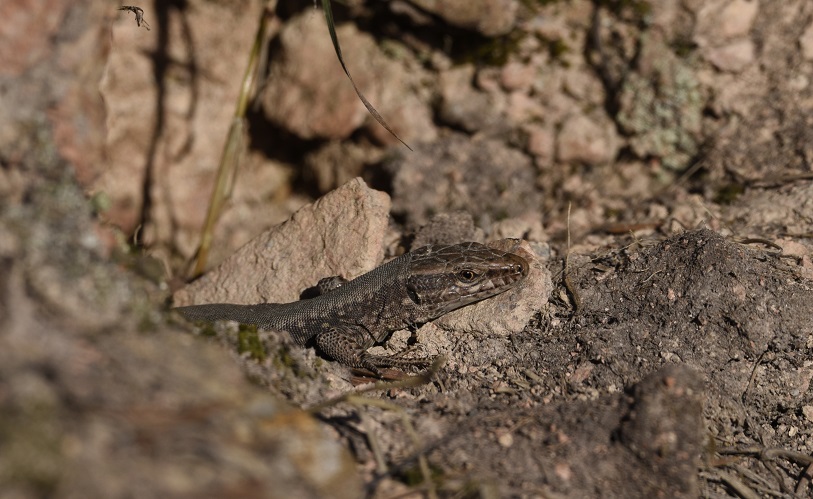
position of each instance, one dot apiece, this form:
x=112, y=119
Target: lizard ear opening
x=413, y=291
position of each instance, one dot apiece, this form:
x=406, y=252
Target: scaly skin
x=410, y=290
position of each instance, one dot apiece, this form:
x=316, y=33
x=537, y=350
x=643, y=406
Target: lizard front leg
x=349, y=346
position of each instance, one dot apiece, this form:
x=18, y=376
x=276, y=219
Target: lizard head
x=444, y=278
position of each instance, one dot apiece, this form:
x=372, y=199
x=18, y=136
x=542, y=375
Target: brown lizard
x=410, y=290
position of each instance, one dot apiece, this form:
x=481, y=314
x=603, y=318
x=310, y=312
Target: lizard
x=410, y=290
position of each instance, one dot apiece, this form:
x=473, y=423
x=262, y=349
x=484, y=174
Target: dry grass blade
x=234, y=146
x=332, y=29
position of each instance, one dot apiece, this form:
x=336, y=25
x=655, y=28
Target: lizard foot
x=348, y=346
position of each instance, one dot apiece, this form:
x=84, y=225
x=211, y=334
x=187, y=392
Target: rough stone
x=167, y=121
x=489, y=17
x=517, y=76
x=463, y=106
x=342, y=233
x=583, y=140
x=733, y=57
x=720, y=21
x=661, y=105
x=527, y=226
x=448, y=228
x=541, y=143
x=481, y=175
x=521, y=108
x=806, y=43
x=309, y=95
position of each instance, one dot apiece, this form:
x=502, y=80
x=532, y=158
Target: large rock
x=480, y=175
x=342, y=233
x=100, y=396
x=488, y=17
x=309, y=95
x=170, y=95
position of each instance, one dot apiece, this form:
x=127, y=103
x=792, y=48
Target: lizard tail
x=211, y=312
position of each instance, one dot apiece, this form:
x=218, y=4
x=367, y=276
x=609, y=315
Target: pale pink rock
x=737, y=18
x=309, y=95
x=733, y=57
x=581, y=139
x=307, y=92
x=489, y=17
x=720, y=21
x=464, y=106
x=516, y=76
x=342, y=233
x=197, y=111
x=521, y=108
x=583, y=86
x=806, y=43
x=541, y=142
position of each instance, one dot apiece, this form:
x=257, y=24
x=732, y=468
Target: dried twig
x=139, y=15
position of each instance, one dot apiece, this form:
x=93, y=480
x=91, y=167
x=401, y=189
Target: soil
x=683, y=352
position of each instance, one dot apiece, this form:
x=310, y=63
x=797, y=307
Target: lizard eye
x=467, y=275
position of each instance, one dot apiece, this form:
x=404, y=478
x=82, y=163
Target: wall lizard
x=410, y=290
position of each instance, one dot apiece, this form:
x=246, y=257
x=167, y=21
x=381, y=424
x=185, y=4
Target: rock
x=661, y=106
x=720, y=21
x=517, y=76
x=479, y=175
x=734, y=57
x=202, y=428
x=806, y=43
x=463, y=106
x=309, y=95
x=448, y=228
x=721, y=32
x=488, y=17
x=342, y=233
x=527, y=226
x=540, y=143
x=582, y=140
x=315, y=100
x=180, y=147
x=521, y=108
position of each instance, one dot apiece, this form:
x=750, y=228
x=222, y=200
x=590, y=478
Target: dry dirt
x=655, y=156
